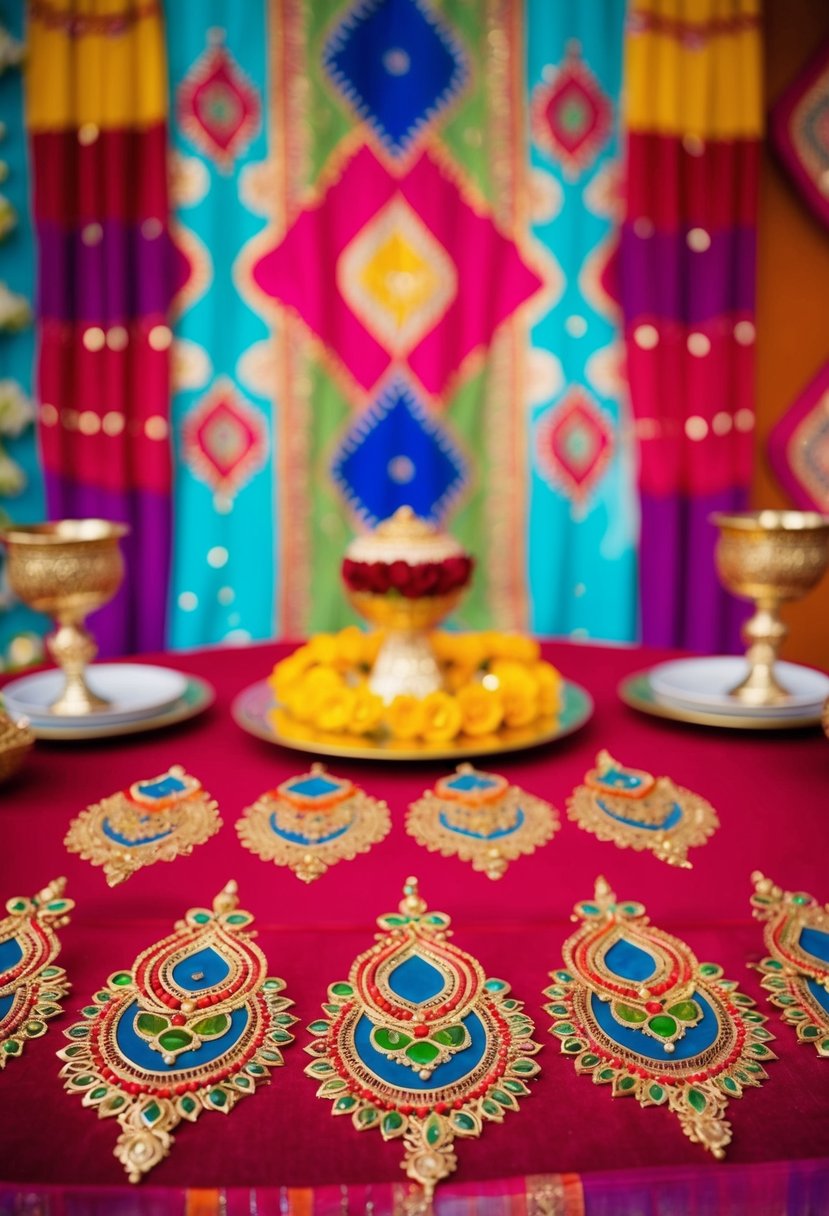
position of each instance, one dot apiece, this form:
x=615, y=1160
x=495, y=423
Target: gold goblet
x=769, y=557
x=67, y=569
x=16, y=739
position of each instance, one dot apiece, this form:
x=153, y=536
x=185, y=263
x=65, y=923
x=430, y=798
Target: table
x=571, y=1149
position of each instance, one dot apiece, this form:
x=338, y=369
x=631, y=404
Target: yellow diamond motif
x=397, y=277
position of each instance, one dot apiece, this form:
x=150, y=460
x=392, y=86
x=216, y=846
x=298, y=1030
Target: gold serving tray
x=198, y=696
x=635, y=690
x=252, y=711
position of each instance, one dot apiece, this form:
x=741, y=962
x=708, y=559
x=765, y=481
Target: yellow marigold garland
x=493, y=680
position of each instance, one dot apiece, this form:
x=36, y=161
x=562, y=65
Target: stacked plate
x=700, y=686
x=141, y=697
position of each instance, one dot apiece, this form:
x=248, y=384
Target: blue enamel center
x=671, y=819
x=471, y=781
x=11, y=952
x=207, y=964
x=162, y=788
x=815, y=942
x=416, y=981
x=451, y=827
x=131, y=842
x=313, y=787
x=139, y=1053
x=628, y=961
x=819, y=993
x=298, y=838
x=617, y=779
x=402, y=1077
x=695, y=1040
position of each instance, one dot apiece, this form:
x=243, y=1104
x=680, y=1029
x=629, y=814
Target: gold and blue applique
x=312, y=821
x=796, y=970
x=636, y=1011
x=157, y=819
x=31, y=986
x=481, y=818
x=195, y=1025
x=635, y=810
x=419, y=1044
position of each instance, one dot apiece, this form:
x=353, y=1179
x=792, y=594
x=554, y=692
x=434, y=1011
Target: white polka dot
x=744, y=420
x=744, y=333
x=217, y=557
x=698, y=240
x=113, y=423
x=646, y=337
x=188, y=601
x=722, y=423
x=698, y=345
x=576, y=326
x=117, y=337
x=696, y=428
x=647, y=428
x=401, y=470
x=222, y=504
x=89, y=423
x=156, y=427
x=49, y=415
x=579, y=633
x=237, y=636
x=643, y=227
x=152, y=228
x=226, y=596
x=234, y=619
x=94, y=338
x=490, y=682
x=693, y=144
x=396, y=61
x=579, y=590
x=92, y=234
x=88, y=132
x=160, y=337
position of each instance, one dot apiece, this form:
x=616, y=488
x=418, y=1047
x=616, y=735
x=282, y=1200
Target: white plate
x=135, y=690
x=704, y=683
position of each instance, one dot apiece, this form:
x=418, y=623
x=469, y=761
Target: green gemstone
x=824, y=1045
x=35, y=1028
x=100, y=1092
x=82, y=1082
x=175, y=1040
x=367, y=1116
x=279, y=1036
x=564, y=976
x=256, y=1070
x=515, y=1087
x=503, y=1099
x=800, y=898
x=394, y=920
x=730, y=1084
x=422, y=1052
x=563, y=1028
x=656, y=1092
x=49, y=972
x=271, y=985
x=78, y=1032
x=345, y=1103
x=436, y=918
x=57, y=905
x=238, y=918
x=272, y=1056
x=201, y=918
x=18, y=905
x=50, y=995
x=808, y=1032
x=74, y=1051
x=11, y=1047
x=218, y=1097
x=450, y=1036
x=464, y=1122
x=116, y=1103
x=121, y=979
x=710, y=969
x=663, y=1026
x=284, y=1019
x=102, y=997
x=509, y=1004
x=150, y=1114
x=759, y=1050
x=490, y=1108
x=573, y=1046
x=88, y=1011
x=626, y=1083
x=392, y=1121
x=150, y=1024
x=697, y=1099
x=188, y=1105
x=685, y=1011
x=523, y=1065
x=496, y=985
x=342, y=989
x=559, y=1011
x=319, y=1027
x=606, y=1074
x=590, y=909
x=390, y=1040
x=771, y=964
x=242, y=1082
x=212, y=1026
x=433, y=1130
x=629, y=1013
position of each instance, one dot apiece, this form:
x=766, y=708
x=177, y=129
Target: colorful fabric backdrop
x=409, y=240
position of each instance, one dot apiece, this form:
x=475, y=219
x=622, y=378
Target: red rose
x=376, y=576
x=455, y=572
x=423, y=580
x=353, y=574
x=399, y=574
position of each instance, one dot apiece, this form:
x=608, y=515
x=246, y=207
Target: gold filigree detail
x=634, y=818
x=126, y=831
x=487, y=832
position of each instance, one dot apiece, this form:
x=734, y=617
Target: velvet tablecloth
x=594, y=1153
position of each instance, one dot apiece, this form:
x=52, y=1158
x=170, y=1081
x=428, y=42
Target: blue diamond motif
x=398, y=65
x=313, y=787
x=162, y=788
x=397, y=455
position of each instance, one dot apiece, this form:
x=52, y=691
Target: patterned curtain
x=96, y=109
x=224, y=572
x=694, y=119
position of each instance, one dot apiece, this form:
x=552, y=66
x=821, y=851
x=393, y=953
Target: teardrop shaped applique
x=796, y=970
x=31, y=986
x=635, y=810
x=482, y=819
x=157, y=819
x=312, y=821
x=194, y=1025
x=637, y=1012
x=419, y=1044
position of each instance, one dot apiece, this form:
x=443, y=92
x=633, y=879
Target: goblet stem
x=73, y=648
x=406, y=664
x=763, y=633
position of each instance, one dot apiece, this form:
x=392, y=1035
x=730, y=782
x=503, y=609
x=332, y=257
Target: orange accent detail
x=202, y=1203
x=594, y=781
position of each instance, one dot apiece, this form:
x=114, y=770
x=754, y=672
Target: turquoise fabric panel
x=224, y=562
x=583, y=517
x=17, y=350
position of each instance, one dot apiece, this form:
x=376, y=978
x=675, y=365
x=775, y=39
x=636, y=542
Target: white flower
x=15, y=312
x=12, y=477
x=8, y=216
x=11, y=51
x=16, y=410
